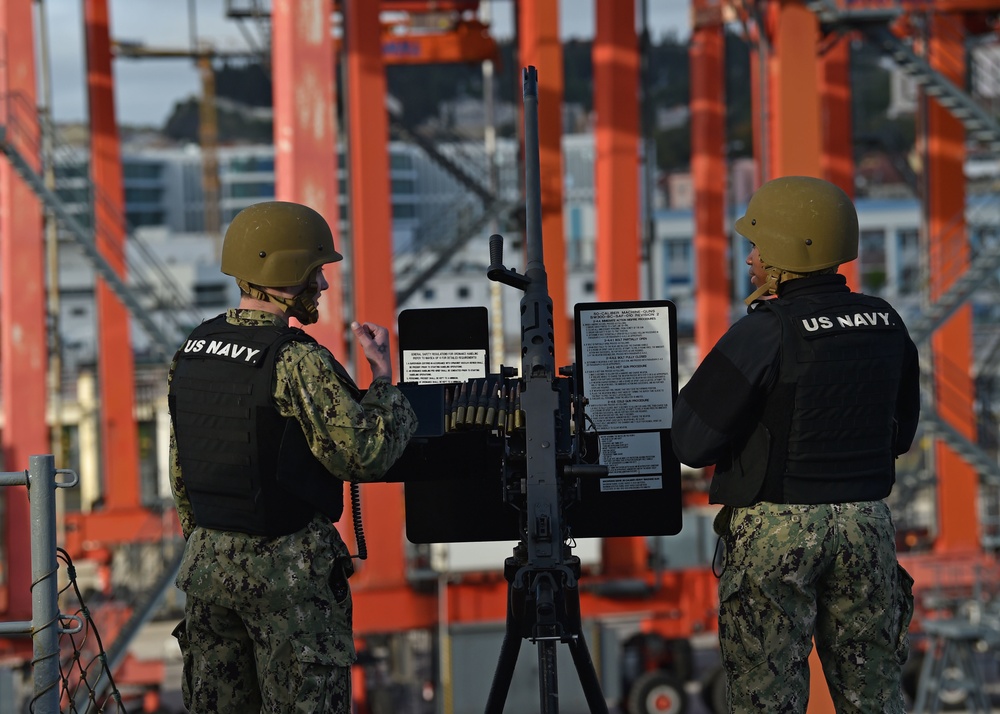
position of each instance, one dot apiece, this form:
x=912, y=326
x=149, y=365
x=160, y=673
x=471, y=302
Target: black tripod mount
x=543, y=605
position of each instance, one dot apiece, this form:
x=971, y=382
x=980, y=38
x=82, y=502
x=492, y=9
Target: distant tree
x=668, y=81
x=578, y=70
x=421, y=89
x=182, y=124
x=739, y=100
x=248, y=84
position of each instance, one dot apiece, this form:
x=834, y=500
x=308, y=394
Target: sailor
x=802, y=407
x=266, y=426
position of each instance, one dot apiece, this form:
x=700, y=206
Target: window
x=262, y=189
x=141, y=170
x=209, y=295
x=145, y=218
x=463, y=292
x=69, y=171
x=404, y=210
x=403, y=185
x=872, y=263
x=143, y=195
x=78, y=194
x=677, y=261
x=252, y=164
x=400, y=161
x=909, y=261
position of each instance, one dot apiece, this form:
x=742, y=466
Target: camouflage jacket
x=355, y=440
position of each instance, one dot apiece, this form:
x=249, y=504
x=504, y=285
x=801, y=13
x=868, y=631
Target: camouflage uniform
x=792, y=570
x=268, y=619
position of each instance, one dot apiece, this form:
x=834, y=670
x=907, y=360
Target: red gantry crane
x=802, y=125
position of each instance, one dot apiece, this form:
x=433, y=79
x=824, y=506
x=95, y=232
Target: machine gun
x=534, y=432
x=542, y=575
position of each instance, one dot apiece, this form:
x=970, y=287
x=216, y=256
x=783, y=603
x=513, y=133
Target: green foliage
x=247, y=84
x=184, y=122
x=420, y=89
x=673, y=148
x=578, y=71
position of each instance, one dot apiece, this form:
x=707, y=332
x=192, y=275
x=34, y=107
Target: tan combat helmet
x=800, y=225
x=278, y=244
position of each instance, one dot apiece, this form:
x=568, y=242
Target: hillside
x=421, y=91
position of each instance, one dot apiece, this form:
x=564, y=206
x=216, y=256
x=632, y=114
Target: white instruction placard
x=631, y=483
x=626, y=355
x=632, y=454
x=443, y=366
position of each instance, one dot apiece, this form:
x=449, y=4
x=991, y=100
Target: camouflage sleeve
x=184, y=511
x=355, y=440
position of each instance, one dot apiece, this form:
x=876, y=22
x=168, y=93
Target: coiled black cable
x=359, y=530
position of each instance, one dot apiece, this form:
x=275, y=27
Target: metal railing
x=45, y=624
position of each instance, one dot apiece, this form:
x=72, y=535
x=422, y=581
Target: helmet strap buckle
x=770, y=287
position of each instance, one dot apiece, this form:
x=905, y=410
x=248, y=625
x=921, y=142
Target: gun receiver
x=542, y=522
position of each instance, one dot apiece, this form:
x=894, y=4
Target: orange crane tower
x=23, y=344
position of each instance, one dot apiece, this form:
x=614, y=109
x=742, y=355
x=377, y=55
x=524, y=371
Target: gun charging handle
x=497, y=272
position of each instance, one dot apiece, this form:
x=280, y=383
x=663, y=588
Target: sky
x=146, y=90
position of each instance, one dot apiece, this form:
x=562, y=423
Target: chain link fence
x=69, y=669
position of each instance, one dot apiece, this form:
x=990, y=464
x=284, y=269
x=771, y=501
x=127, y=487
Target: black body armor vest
x=246, y=468
x=827, y=429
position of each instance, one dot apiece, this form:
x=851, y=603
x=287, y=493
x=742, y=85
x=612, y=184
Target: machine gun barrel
x=536, y=314
x=538, y=399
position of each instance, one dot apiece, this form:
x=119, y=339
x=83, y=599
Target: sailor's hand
x=374, y=340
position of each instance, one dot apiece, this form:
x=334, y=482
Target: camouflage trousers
x=798, y=573
x=269, y=662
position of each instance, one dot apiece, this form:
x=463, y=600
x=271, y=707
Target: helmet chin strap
x=303, y=307
x=770, y=286
x=776, y=276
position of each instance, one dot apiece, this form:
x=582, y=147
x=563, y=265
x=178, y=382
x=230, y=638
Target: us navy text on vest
x=858, y=319
x=228, y=349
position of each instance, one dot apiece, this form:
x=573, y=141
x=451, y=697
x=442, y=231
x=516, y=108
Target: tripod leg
x=508, y=658
x=581, y=654
x=588, y=675
x=548, y=677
